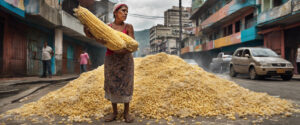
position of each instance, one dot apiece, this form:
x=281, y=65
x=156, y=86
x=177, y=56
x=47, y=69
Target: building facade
x=164, y=38
x=26, y=24
x=223, y=26
x=279, y=23
x=158, y=36
x=171, y=17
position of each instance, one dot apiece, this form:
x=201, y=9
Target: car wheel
x=232, y=72
x=253, y=74
x=286, y=77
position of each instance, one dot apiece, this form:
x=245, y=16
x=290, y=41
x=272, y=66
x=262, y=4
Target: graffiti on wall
x=16, y=3
x=198, y=48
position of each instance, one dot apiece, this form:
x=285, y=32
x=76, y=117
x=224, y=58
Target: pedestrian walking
x=47, y=54
x=119, y=68
x=84, y=60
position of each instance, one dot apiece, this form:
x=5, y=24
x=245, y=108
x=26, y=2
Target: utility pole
x=180, y=27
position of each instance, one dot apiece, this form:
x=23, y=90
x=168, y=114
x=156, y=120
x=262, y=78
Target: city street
x=275, y=87
x=145, y=54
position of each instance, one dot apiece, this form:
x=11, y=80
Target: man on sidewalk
x=46, y=58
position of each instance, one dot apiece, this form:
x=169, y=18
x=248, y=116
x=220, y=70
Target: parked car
x=221, y=63
x=260, y=63
x=191, y=61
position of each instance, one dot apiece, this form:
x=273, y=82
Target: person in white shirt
x=46, y=59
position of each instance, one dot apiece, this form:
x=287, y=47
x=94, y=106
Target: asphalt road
x=276, y=87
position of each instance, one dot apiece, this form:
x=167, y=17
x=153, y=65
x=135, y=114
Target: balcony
x=16, y=8
x=249, y=34
x=42, y=13
x=208, y=45
x=275, y=13
x=286, y=14
x=229, y=12
x=228, y=40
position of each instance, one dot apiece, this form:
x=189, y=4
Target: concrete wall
x=71, y=23
x=296, y=5
x=275, y=13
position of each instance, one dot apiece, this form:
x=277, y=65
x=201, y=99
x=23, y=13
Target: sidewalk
x=35, y=79
x=14, y=89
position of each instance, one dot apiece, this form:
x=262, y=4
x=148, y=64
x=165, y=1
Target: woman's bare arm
x=130, y=30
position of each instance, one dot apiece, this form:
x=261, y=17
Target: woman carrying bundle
x=118, y=67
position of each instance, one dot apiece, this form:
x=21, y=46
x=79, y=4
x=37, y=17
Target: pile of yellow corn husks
x=164, y=86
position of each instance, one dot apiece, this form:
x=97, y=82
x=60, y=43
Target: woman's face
x=121, y=14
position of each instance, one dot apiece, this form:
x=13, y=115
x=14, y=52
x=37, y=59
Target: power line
x=147, y=17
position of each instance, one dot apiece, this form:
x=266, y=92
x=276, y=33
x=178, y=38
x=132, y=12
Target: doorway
x=1, y=43
x=292, y=43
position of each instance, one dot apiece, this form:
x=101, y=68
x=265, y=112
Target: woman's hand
x=122, y=51
x=90, y=35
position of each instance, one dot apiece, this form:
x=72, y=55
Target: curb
x=38, y=81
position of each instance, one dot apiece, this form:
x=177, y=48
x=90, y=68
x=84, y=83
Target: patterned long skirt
x=119, y=77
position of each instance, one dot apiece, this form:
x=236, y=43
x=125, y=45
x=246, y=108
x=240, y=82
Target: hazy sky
x=149, y=8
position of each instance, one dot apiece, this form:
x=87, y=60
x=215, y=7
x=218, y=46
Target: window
x=230, y=29
x=210, y=37
x=249, y=21
x=225, y=31
x=246, y=51
x=216, y=35
x=277, y=3
x=238, y=26
x=239, y=53
x=220, y=55
x=266, y=5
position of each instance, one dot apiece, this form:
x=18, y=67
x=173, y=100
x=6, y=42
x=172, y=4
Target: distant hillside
x=143, y=37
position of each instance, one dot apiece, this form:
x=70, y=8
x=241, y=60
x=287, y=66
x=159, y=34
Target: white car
x=221, y=63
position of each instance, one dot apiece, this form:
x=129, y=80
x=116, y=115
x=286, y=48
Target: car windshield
x=263, y=52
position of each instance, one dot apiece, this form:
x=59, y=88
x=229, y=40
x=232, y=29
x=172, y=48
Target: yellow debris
x=182, y=121
x=115, y=40
x=198, y=123
x=165, y=86
x=288, y=114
